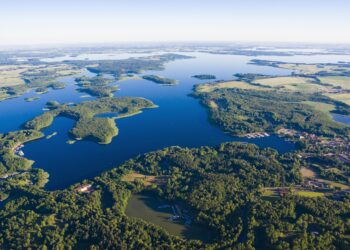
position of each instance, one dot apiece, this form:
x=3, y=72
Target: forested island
x=160, y=79
x=96, y=86
x=204, y=77
x=88, y=125
x=127, y=66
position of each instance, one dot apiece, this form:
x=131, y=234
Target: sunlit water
x=179, y=120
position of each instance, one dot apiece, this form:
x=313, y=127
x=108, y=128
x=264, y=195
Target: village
x=18, y=150
x=311, y=188
x=337, y=147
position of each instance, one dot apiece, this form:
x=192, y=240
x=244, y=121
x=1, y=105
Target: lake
x=345, y=119
x=154, y=210
x=179, y=120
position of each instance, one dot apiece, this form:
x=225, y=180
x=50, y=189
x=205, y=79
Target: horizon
x=41, y=23
x=145, y=44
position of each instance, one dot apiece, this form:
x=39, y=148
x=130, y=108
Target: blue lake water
x=180, y=120
x=345, y=119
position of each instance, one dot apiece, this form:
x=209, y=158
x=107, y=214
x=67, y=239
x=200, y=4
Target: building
x=86, y=188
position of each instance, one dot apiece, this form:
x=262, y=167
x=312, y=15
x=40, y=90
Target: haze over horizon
x=105, y=21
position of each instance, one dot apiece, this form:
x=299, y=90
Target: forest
x=205, y=77
x=221, y=185
x=241, y=111
x=159, y=79
x=96, y=86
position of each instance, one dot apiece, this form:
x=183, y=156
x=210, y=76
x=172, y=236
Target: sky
x=109, y=21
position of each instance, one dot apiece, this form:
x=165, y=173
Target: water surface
x=345, y=119
x=179, y=120
x=157, y=211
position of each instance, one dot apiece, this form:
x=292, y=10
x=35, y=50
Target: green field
x=321, y=106
x=209, y=87
x=309, y=194
x=337, y=81
x=341, y=97
x=291, y=83
x=309, y=69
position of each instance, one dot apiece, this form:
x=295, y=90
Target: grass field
x=282, y=80
x=209, y=87
x=320, y=106
x=308, y=69
x=342, y=97
x=302, y=68
x=334, y=184
x=337, y=81
x=270, y=192
x=291, y=83
x=307, y=173
x=213, y=105
x=147, y=180
x=273, y=193
x=309, y=194
x=11, y=75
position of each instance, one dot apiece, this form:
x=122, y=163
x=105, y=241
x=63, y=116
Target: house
x=86, y=188
x=316, y=184
x=283, y=191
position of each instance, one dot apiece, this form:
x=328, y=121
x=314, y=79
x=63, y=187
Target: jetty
x=256, y=135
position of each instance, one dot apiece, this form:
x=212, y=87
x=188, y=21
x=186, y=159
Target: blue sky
x=90, y=21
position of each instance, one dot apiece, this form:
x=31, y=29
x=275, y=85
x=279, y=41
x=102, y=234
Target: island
x=160, y=79
x=118, y=68
x=31, y=99
x=96, y=86
x=42, y=90
x=205, y=77
x=89, y=125
x=57, y=85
